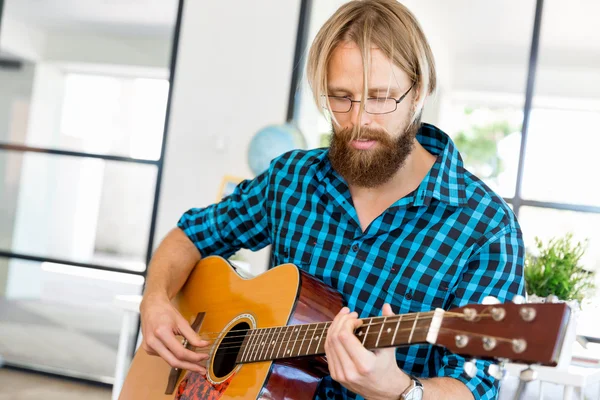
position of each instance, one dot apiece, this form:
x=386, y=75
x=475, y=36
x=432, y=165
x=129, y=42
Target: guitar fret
x=380, y=330
x=303, y=338
x=256, y=350
x=396, y=331
x=298, y=329
x=323, y=334
x=248, y=349
x=315, y=330
x=274, y=340
x=366, y=333
x=286, y=350
x=281, y=341
x=272, y=343
x=310, y=342
x=413, y=328
x=260, y=343
x=265, y=344
x=244, y=346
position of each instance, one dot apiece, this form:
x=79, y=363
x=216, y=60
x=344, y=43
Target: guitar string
x=404, y=317
x=320, y=330
x=317, y=329
x=447, y=330
x=254, y=346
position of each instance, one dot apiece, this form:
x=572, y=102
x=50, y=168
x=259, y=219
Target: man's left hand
x=371, y=374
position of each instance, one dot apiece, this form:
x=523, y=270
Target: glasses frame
x=360, y=101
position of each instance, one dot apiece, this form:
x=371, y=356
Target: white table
x=574, y=378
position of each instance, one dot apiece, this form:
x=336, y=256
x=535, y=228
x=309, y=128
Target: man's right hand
x=160, y=323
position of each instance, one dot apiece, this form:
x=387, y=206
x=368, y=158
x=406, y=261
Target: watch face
x=415, y=394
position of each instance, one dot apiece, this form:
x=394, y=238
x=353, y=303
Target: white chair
x=131, y=307
x=575, y=379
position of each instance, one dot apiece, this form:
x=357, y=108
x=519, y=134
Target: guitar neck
x=267, y=344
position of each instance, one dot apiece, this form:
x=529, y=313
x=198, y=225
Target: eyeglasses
x=373, y=105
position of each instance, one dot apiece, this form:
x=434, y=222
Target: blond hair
x=386, y=25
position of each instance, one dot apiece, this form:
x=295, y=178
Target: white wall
x=20, y=39
x=16, y=85
x=248, y=59
x=108, y=50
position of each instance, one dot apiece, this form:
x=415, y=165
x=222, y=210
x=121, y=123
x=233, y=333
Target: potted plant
x=555, y=270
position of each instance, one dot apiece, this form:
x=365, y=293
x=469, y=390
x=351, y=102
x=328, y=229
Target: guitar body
x=281, y=296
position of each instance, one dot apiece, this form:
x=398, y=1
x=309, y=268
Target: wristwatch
x=414, y=391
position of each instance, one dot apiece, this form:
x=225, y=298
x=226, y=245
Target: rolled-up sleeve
x=240, y=220
x=496, y=269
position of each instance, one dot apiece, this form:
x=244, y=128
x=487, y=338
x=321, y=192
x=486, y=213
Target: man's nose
x=358, y=115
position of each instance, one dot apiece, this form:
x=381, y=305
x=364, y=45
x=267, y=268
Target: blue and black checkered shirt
x=450, y=242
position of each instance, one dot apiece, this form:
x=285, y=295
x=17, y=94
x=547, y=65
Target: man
x=388, y=216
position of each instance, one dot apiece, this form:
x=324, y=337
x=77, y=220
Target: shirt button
x=355, y=247
x=408, y=296
x=330, y=394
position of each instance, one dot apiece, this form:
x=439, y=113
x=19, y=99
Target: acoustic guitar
x=268, y=333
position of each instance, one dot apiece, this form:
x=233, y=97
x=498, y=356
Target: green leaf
x=556, y=270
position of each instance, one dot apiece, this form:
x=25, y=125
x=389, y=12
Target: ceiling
x=114, y=17
x=501, y=30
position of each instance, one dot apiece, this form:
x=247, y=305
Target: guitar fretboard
x=309, y=339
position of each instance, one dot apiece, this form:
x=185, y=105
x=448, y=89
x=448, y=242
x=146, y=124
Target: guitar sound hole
x=226, y=354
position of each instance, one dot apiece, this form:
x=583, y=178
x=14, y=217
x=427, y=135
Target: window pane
x=548, y=223
x=15, y=98
x=78, y=209
x=489, y=140
x=561, y=159
x=71, y=82
x=61, y=317
x=98, y=114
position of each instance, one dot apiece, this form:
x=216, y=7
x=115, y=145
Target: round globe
x=271, y=142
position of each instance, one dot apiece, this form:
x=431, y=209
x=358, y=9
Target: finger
x=338, y=323
x=332, y=359
x=166, y=355
x=386, y=311
x=187, y=332
x=344, y=364
x=351, y=350
x=332, y=362
x=344, y=310
x=176, y=348
x=343, y=327
x=147, y=347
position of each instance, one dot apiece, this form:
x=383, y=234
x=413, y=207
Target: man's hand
x=371, y=374
x=160, y=323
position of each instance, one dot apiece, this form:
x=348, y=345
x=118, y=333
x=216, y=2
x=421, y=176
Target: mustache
x=365, y=134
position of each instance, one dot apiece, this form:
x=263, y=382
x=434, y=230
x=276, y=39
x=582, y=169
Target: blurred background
x=116, y=116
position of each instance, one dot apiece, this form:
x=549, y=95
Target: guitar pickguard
x=195, y=387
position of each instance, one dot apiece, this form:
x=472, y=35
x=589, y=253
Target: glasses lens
x=340, y=104
x=380, y=106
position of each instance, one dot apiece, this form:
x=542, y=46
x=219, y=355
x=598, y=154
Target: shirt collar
x=446, y=179
x=444, y=182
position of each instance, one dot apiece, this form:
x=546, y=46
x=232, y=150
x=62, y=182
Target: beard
x=372, y=167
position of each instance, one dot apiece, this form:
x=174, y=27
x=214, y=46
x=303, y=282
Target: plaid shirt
x=450, y=242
